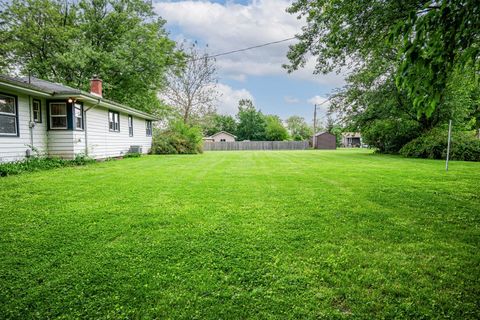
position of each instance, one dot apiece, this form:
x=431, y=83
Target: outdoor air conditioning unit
x=135, y=149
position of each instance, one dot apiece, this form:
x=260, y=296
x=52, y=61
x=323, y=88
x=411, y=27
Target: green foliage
x=221, y=123
x=133, y=155
x=39, y=164
x=433, y=145
x=123, y=42
x=243, y=235
x=178, y=138
x=274, y=129
x=389, y=135
x=435, y=37
x=415, y=44
x=335, y=129
x=298, y=128
x=251, y=123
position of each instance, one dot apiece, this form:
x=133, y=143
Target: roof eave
x=29, y=89
x=106, y=103
x=213, y=135
x=24, y=88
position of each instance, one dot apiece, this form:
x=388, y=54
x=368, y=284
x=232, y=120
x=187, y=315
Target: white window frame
x=38, y=112
x=78, y=106
x=130, y=125
x=148, y=128
x=58, y=116
x=11, y=115
x=116, y=124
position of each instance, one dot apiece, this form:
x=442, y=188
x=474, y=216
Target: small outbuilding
x=351, y=140
x=222, y=136
x=325, y=140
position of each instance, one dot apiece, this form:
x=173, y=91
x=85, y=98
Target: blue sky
x=256, y=74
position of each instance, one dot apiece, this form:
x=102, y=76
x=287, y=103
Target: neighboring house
x=46, y=118
x=325, y=140
x=351, y=140
x=221, y=136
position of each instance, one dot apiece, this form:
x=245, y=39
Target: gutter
x=86, y=124
x=105, y=103
x=31, y=123
x=29, y=91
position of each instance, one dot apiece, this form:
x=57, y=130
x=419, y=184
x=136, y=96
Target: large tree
x=421, y=41
x=123, y=42
x=192, y=87
x=219, y=123
x=274, y=129
x=251, y=122
x=298, y=128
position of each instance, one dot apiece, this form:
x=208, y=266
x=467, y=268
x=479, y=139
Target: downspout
x=31, y=124
x=86, y=125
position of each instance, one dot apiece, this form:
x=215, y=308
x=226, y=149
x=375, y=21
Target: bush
x=39, y=164
x=433, y=145
x=133, y=155
x=390, y=135
x=179, y=138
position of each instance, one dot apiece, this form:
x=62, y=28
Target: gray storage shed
x=325, y=140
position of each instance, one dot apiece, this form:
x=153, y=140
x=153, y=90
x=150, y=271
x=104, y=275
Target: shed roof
x=57, y=90
x=322, y=132
x=224, y=132
x=352, y=134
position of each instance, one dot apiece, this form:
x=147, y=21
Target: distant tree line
x=251, y=124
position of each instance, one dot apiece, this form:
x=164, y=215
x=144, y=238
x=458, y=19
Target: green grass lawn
x=299, y=234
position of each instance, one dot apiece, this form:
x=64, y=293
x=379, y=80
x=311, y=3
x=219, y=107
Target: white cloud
x=322, y=102
x=291, y=100
x=239, y=77
x=231, y=26
x=229, y=97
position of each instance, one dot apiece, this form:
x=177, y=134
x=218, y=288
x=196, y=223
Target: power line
x=245, y=49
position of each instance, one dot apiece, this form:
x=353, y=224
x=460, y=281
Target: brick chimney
x=96, y=86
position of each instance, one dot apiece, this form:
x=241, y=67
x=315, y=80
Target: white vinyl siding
x=60, y=144
x=14, y=148
x=103, y=143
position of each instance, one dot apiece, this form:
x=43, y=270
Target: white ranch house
x=50, y=119
x=222, y=136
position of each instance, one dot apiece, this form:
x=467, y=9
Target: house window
x=78, y=113
x=114, y=121
x=223, y=140
x=8, y=116
x=149, y=128
x=58, y=115
x=130, y=126
x=37, y=111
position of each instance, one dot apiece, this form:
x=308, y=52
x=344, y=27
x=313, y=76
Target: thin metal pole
x=314, y=126
x=448, y=143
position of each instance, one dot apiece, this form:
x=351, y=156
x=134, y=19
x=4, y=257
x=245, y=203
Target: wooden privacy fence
x=255, y=145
